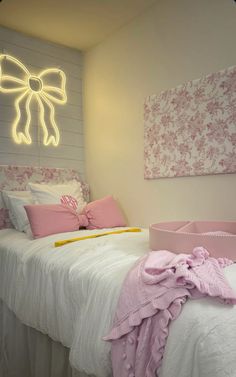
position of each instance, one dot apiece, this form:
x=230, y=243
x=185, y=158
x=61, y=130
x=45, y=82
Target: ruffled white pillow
x=69, y=194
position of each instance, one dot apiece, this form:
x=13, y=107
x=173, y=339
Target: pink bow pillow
x=104, y=213
x=46, y=219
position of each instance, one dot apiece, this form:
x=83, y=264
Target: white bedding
x=202, y=341
x=71, y=292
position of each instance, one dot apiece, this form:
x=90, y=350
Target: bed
x=57, y=304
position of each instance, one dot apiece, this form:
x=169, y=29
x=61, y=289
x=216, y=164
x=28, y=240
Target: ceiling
x=75, y=23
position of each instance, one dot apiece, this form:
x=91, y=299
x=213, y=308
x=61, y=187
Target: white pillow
x=15, y=202
x=69, y=193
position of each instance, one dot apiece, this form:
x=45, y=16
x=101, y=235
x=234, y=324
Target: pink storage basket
x=218, y=237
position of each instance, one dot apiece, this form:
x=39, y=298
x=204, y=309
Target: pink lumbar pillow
x=104, y=213
x=46, y=219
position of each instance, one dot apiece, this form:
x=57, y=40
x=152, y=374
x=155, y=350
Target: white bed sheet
x=71, y=292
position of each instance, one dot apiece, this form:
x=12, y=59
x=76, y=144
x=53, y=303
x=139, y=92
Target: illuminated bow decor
x=32, y=87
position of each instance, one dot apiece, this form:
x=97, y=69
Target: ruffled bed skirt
x=25, y=352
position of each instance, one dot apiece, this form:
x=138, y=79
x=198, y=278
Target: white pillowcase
x=69, y=193
x=15, y=202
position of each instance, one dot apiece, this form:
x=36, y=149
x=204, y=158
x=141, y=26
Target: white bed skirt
x=25, y=352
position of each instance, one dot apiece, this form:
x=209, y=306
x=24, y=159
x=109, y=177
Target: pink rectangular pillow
x=104, y=213
x=46, y=219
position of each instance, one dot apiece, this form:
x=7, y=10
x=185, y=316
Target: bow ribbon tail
x=47, y=118
x=22, y=103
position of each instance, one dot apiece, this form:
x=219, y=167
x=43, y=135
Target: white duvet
x=71, y=292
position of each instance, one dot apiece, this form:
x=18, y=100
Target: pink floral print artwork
x=191, y=129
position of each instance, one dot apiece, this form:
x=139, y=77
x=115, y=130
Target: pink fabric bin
x=218, y=237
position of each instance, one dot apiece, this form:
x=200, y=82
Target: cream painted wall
x=173, y=42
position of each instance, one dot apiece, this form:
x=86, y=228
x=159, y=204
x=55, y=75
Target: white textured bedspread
x=71, y=292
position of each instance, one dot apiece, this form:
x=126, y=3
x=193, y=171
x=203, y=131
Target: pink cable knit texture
x=152, y=296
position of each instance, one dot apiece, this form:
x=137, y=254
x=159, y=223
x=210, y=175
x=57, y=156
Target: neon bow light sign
x=31, y=87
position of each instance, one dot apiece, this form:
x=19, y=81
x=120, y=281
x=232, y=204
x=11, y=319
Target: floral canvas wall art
x=191, y=129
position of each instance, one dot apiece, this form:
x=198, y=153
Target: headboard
x=17, y=178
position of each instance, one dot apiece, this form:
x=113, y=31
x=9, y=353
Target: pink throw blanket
x=152, y=296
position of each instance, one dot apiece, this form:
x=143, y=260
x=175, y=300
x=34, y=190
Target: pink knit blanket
x=152, y=296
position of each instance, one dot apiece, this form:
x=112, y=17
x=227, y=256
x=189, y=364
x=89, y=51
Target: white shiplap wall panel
x=37, y=55
x=74, y=152
x=5, y=131
x=47, y=48
x=74, y=164
x=66, y=123
x=25, y=160
x=69, y=138
x=74, y=98
x=7, y=146
x=39, y=61
x=67, y=110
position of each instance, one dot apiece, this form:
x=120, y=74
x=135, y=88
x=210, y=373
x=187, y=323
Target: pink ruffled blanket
x=152, y=296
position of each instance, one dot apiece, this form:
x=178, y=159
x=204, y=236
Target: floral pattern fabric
x=17, y=177
x=191, y=129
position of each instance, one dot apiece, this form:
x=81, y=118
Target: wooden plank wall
x=37, y=55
